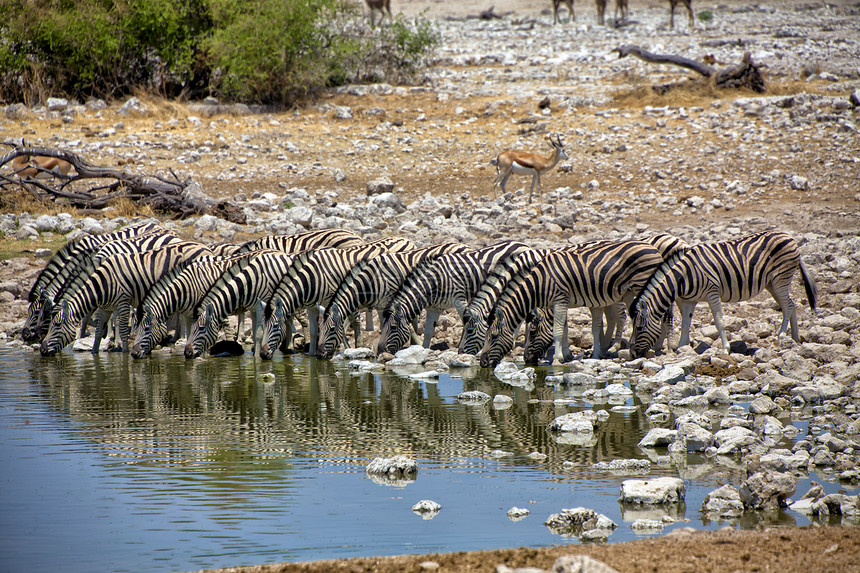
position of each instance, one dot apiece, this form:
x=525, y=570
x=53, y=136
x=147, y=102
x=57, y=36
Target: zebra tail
x=809, y=285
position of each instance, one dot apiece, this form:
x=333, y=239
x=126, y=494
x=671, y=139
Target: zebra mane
x=659, y=276
x=501, y=274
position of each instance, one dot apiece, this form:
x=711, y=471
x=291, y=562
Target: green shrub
x=256, y=51
x=705, y=16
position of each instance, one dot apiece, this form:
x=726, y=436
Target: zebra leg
x=368, y=321
x=240, y=326
x=430, y=326
x=256, y=320
x=414, y=334
x=101, y=325
x=122, y=324
x=314, y=328
x=717, y=310
x=559, y=324
x=781, y=295
x=686, y=309
x=355, y=321
x=597, y=332
x=84, y=324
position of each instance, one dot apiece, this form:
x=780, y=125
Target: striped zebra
x=728, y=271
x=298, y=242
x=594, y=275
x=120, y=282
x=477, y=312
x=176, y=293
x=243, y=287
x=373, y=283
x=538, y=325
x=51, y=278
x=311, y=282
x=451, y=280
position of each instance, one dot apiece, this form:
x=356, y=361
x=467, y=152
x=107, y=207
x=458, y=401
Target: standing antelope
x=556, y=19
x=687, y=4
x=523, y=163
x=382, y=5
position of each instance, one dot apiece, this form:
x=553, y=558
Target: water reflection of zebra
x=176, y=293
x=311, y=281
x=120, y=282
x=242, y=287
x=373, y=283
x=58, y=269
x=450, y=280
x=594, y=275
x=729, y=271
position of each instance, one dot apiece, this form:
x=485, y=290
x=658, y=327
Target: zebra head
x=395, y=333
x=30, y=330
x=203, y=332
x=331, y=331
x=474, y=331
x=60, y=332
x=274, y=324
x=538, y=335
x=500, y=340
x=145, y=332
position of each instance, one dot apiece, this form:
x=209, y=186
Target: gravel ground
x=701, y=164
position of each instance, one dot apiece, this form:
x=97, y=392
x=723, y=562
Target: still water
x=163, y=464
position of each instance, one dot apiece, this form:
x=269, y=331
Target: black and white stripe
x=120, y=282
x=595, y=275
x=728, y=271
x=243, y=287
x=176, y=293
x=298, y=242
x=56, y=272
x=372, y=284
x=450, y=280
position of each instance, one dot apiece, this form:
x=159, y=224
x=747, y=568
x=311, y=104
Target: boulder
x=653, y=491
x=767, y=490
x=723, y=502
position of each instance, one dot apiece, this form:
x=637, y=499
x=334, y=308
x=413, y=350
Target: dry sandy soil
x=432, y=144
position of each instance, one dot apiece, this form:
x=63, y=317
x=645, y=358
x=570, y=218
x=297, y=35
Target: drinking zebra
x=476, y=314
x=450, y=280
x=120, y=282
x=56, y=272
x=373, y=283
x=176, y=293
x=538, y=325
x=728, y=271
x=243, y=287
x=311, y=281
x=593, y=275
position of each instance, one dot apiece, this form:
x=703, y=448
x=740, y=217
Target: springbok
x=523, y=163
x=39, y=167
x=382, y=5
x=687, y=4
x=556, y=19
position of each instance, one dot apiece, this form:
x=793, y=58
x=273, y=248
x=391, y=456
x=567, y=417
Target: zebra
x=298, y=242
x=311, y=281
x=50, y=279
x=177, y=292
x=728, y=271
x=79, y=269
x=450, y=280
x=477, y=312
x=593, y=275
x=373, y=283
x=250, y=280
x=538, y=324
x=118, y=283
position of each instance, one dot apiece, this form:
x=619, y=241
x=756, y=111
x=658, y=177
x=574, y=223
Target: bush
x=257, y=51
x=705, y=16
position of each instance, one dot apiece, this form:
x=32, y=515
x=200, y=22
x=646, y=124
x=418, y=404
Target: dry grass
x=129, y=209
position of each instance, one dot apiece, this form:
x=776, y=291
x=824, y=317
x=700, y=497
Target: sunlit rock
x=653, y=491
x=723, y=503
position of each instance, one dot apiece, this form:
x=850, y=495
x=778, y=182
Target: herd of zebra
x=149, y=277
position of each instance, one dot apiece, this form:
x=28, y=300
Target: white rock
x=653, y=491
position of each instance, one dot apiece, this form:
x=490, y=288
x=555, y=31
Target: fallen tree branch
x=183, y=198
x=744, y=74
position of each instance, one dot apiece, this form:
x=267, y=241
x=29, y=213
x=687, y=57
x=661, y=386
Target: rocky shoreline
x=414, y=161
